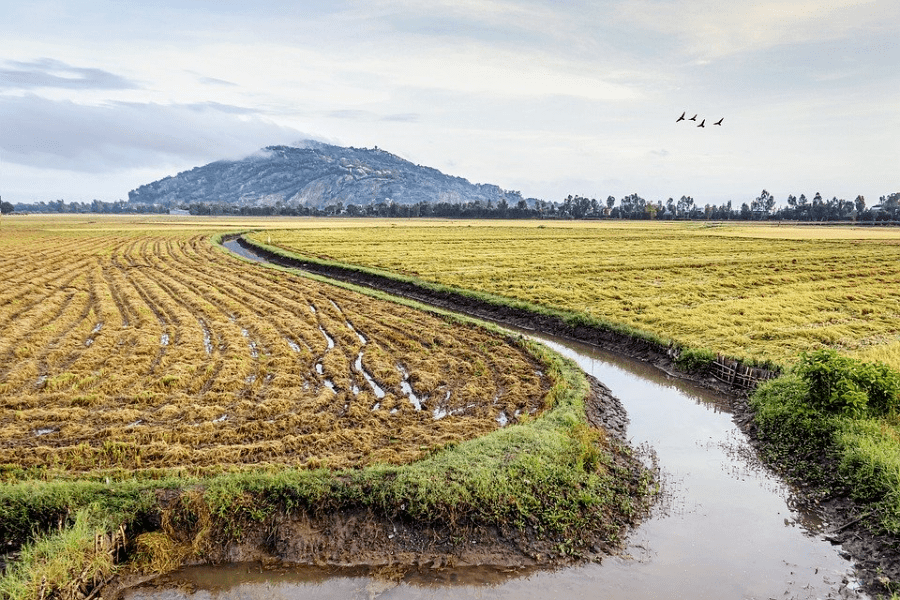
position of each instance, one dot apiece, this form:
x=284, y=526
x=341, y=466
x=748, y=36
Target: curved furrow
x=165, y=327
x=333, y=369
x=30, y=369
x=70, y=340
x=125, y=311
x=42, y=270
x=183, y=297
x=15, y=345
x=256, y=341
x=242, y=289
x=35, y=294
x=390, y=340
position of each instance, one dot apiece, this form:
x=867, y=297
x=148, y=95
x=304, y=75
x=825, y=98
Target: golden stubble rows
x=154, y=349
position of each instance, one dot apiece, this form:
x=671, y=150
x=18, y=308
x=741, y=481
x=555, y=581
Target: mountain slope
x=316, y=175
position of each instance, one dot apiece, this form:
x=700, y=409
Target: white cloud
x=68, y=136
x=50, y=73
x=712, y=28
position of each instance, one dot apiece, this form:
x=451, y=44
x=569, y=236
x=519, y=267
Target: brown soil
x=876, y=555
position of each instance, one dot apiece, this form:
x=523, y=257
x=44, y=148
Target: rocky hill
x=315, y=175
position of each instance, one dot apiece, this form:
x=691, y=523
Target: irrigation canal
x=725, y=527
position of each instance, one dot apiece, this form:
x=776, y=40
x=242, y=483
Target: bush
x=800, y=440
x=692, y=359
x=845, y=386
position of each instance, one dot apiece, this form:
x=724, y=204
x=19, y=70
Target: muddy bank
x=877, y=556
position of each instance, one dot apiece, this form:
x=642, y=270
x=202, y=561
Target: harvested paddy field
x=760, y=293
x=156, y=349
x=163, y=402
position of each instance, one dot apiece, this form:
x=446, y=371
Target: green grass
x=837, y=452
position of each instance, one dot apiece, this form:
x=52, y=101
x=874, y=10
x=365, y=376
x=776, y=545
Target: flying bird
x=702, y=123
x=719, y=122
x=694, y=118
x=681, y=118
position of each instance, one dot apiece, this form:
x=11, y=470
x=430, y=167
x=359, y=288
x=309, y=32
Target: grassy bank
x=833, y=423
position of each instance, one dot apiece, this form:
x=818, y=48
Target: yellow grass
x=759, y=292
x=134, y=343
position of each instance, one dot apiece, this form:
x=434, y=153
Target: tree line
x=632, y=206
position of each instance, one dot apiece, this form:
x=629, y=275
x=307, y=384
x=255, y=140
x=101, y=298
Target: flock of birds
x=694, y=118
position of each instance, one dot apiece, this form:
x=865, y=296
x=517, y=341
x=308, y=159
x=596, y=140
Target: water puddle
x=164, y=339
x=441, y=411
x=407, y=389
x=251, y=343
x=328, y=339
x=379, y=393
x=207, y=338
x=93, y=334
x=362, y=338
x=45, y=431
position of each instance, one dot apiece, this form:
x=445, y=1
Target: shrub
x=692, y=359
x=842, y=385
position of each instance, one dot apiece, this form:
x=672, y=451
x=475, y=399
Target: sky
x=549, y=98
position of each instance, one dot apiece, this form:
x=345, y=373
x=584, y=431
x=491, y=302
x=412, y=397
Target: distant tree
x=6, y=208
x=610, y=202
x=685, y=207
x=860, y=204
x=762, y=206
x=746, y=213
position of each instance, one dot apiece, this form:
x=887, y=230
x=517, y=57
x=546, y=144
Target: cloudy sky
x=547, y=97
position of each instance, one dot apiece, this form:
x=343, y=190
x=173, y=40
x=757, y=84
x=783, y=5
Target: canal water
x=725, y=526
